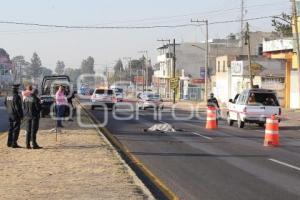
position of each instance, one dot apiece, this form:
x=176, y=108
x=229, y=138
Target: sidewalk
x=79, y=165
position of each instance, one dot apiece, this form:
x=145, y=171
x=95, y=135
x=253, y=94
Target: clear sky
x=106, y=46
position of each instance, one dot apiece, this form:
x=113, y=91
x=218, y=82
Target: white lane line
x=203, y=136
x=285, y=164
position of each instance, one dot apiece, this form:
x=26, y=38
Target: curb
x=155, y=185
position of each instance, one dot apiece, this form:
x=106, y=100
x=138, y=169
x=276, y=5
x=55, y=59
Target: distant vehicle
x=48, y=94
x=84, y=91
x=119, y=92
x=253, y=106
x=101, y=97
x=149, y=100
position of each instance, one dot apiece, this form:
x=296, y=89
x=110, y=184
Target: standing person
x=32, y=109
x=61, y=102
x=27, y=92
x=13, y=104
x=212, y=101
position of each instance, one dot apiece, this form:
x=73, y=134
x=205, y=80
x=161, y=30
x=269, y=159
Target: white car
x=102, y=98
x=253, y=106
x=149, y=100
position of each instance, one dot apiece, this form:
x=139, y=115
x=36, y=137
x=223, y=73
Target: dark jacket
x=213, y=102
x=32, y=107
x=13, y=103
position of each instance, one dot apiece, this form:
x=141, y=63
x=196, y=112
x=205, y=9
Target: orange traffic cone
x=272, y=132
x=211, y=119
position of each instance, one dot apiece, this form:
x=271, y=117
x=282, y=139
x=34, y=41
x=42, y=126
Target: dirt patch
x=79, y=165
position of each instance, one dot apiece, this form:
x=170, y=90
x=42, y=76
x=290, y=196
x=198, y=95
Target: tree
x=34, y=69
x=87, y=66
x=44, y=71
x=118, y=66
x=60, y=67
x=21, y=66
x=73, y=74
x=119, y=71
x=283, y=25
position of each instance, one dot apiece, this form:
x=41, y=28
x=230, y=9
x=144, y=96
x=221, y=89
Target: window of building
x=224, y=66
x=219, y=67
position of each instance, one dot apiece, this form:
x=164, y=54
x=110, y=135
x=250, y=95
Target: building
x=5, y=69
x=283, y=49
x=190, y=64
x=268, y=74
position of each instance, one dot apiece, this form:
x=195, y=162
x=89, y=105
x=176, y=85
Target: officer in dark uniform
x=13, y=104
x=212, y=101
x=32, y=109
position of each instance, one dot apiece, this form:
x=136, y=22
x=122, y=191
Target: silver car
x=149, y=100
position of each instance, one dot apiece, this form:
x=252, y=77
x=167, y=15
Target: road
x=196, y=163
x=3, y=116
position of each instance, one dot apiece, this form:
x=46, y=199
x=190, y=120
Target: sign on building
x=139, y=79
x=237, y=67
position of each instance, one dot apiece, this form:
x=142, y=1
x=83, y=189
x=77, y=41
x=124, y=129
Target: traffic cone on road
x=211, y=119
x=272, y=132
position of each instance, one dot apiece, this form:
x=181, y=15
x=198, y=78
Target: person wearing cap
x=32, y=109
x=212, y=101
x=13, y=103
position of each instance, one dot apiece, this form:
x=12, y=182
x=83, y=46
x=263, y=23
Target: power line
x=195, y=13
x=129, y=27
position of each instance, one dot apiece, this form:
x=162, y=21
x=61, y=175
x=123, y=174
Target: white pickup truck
x=253, y=106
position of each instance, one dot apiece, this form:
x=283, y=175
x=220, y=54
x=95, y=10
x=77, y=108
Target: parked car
x=149, y=100
x=101, y=97
x=253, y=106
x=48, y=94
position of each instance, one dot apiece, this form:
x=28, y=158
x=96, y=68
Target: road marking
x=285, y=164
x=261, y=131
x=203, y=136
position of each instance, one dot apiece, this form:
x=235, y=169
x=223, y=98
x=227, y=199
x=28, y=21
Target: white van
x=253, y=106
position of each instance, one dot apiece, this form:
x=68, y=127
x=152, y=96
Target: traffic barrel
x=272, y=132
x=211, y=119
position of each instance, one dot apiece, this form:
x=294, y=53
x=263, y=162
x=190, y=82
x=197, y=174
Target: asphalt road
x=3, y=116
x=228, y=163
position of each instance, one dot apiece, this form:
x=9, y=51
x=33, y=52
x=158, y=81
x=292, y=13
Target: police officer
x=212, y=101
x=13, y=104
x=32, y=109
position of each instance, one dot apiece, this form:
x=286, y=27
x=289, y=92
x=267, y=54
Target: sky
x=108, y=45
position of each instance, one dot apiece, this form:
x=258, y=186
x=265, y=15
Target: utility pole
x=206, y=56
x=174, y=68
x=242, y=21
x=247, y=41
x=145, y=72
x=295, y=17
